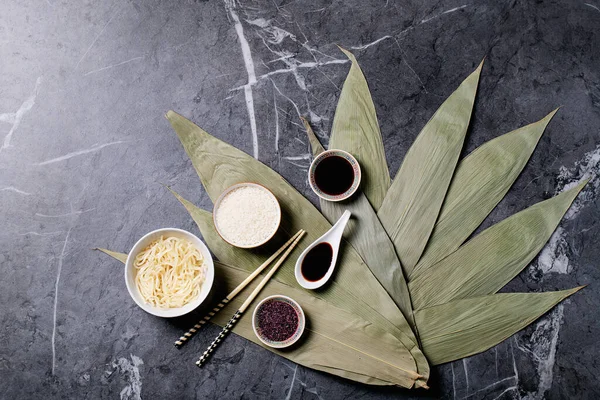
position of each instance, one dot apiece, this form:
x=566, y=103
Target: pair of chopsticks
x=290, y=245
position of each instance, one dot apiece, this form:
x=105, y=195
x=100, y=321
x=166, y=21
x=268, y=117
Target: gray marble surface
x=84, y=149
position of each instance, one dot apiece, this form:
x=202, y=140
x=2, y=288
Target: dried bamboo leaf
x=335, y=341
x=491, y=259
x=118, y=256
x=334, y=293
x=315, y=145
x=355, y=288
x=413, y=202
x=365, y=232
x=465, y=327
x=481, y=180
x=221, y=165
x=356, y=130
x=334, y=338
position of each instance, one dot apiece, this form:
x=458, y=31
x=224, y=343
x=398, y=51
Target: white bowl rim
x=206, y=286
x=301, y=321
x=228, y=190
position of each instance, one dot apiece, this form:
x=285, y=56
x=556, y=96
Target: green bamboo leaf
x=481, y=180
x=356, y=130
x=354, y=289
x=413, y=202
x=335, y=341
x=462, y=328
x=491, y=259
x=366, y=234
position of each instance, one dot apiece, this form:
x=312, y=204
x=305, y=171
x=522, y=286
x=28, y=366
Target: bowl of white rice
x=247, y=215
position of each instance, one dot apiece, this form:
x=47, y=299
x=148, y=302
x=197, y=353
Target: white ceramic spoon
x=333, y=237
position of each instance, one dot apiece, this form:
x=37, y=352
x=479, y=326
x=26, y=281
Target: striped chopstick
x=186, y=336
x=245, y=305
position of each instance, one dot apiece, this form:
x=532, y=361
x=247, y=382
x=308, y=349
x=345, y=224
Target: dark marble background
x=84, y=149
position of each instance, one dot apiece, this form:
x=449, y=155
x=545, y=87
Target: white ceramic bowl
x=218, y=204
x=292, y=339
x=130, y=272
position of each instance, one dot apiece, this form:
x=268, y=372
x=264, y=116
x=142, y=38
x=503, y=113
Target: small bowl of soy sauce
x=334, y=175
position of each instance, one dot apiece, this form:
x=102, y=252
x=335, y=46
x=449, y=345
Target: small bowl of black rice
x=278, y=321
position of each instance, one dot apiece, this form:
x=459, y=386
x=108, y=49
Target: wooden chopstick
x=245, y=305
x=183, y=339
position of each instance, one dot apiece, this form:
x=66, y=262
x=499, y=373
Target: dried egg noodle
x=170, y=272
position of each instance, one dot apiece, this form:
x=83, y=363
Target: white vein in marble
x=58, y=272
x=96, y=38
x=444, y=13
x=276, y=123
x=81, y=152
x=69, y=214
x=410, y=28
x=33, y=233
x=510, y=378
x=542, y=347
x=294, y=70
x=373, y=43
x=131, y=371
x=313, y=390
x=404, y=60
x=272, y=35
x=249, y=64
x=593, y=6
x=288, y=99
x=113, y=66
x=554, y=257
x=15, y=190
x=289, y=393
x=16, y=117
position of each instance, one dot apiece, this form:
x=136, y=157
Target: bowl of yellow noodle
x=169, y=272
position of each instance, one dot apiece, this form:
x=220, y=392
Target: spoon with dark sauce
x=317, y=262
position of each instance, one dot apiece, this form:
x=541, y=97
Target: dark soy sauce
x=334, y=175
x=317, y=262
